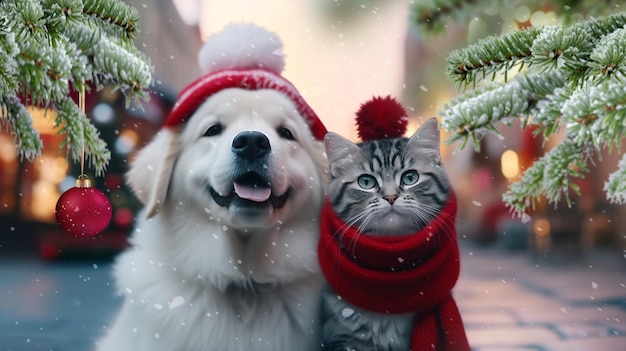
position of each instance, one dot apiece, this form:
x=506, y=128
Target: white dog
x=226, y=256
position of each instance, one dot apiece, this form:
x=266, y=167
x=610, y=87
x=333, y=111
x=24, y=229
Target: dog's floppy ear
x=150, y=171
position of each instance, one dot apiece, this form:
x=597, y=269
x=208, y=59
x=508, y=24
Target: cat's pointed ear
x=426, y=139
x=341, y=153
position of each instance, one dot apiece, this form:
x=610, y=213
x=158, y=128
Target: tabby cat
x=382, y=187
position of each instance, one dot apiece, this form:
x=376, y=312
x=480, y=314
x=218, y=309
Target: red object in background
x=57, y=245
x=123, y=218
x=113, y=181
x=530, y=148
x=83, y=210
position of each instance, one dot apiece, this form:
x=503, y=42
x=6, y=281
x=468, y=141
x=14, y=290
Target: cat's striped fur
x=384, y=187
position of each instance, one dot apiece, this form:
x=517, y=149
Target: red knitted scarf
x=399, y=274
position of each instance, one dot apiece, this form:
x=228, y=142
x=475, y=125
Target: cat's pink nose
x=391, y=198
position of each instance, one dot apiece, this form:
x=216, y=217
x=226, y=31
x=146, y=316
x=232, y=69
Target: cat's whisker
x=363, y=218
x=430, y=212
x=423, y=214
x=339, y=234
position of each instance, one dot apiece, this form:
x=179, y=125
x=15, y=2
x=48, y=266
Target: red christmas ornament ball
x=83, y=210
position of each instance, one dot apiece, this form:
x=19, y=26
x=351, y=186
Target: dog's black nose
x=251, y=145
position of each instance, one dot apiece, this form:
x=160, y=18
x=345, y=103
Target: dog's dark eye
x=214, y=130
x=285, y=133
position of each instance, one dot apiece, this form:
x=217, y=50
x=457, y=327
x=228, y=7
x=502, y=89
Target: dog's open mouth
x=250, y=190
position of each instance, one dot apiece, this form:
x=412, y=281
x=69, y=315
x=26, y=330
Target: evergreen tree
x=52, y=49
x=572, y=79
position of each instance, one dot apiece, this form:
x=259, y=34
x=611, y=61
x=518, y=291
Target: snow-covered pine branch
x=573, y=77
x=53, y=47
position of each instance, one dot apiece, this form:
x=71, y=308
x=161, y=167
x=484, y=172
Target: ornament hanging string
x=81, y=106
x=82, y=178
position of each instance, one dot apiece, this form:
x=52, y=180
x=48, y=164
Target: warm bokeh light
x=8, y=152
x=52, y=171
x=509, y=163
x=127, y=141
x=43, y=119
x=541, y=227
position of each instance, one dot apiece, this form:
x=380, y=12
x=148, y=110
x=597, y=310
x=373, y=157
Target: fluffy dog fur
x=242, y=276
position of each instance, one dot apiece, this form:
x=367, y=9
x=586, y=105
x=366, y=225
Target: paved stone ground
x=509, y=302
x=518, y=301
x=59, y=306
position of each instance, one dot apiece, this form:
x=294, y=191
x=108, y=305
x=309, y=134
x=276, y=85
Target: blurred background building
x=339, y=53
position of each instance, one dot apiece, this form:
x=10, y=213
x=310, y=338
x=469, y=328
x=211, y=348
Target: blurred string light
x=51, y=171
x=509, y=164
x=541, y=227
x=126, y=142
x=103, y=113
x=43, y=119
x=521, y=17
x=8, y=152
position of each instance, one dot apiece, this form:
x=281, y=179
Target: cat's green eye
x=409, y=177
x=367, y=181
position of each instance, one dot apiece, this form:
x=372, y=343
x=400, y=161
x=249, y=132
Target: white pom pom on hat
x=242, y=46
x=242, y=56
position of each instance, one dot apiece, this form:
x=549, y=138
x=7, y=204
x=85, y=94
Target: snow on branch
x=15, y=117
x=550, y=176
x=490, y=56
x=615, y=187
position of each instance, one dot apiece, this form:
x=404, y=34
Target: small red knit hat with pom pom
x=381, y=118
x=242, y=56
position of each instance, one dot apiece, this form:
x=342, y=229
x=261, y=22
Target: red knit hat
x=241, y=56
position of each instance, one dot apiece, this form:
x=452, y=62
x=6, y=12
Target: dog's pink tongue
x=252, y=193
